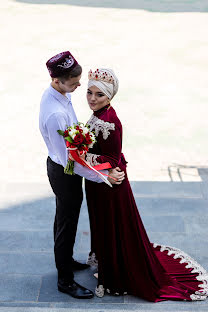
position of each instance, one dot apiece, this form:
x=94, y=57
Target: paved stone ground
x=159, y=51
x=174, y=213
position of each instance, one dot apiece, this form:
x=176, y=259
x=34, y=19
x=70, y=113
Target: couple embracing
x=128, y=263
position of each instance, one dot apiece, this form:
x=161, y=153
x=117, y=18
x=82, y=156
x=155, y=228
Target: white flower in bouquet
x=85, y=130
x=91, y=145
x=73, y=133
x=93, y=137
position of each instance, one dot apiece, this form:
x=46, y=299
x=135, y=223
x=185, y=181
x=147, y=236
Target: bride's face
x=96, y=98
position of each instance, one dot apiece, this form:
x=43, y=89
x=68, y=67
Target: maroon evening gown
x=127, y=261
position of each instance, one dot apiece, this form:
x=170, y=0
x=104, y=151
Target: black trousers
x=69, y=196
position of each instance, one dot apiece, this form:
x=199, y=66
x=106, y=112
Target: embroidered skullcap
x=60, y=64
x=105, y=80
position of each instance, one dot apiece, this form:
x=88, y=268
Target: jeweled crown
x=100, y=76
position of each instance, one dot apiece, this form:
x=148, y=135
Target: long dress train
x=127, y=261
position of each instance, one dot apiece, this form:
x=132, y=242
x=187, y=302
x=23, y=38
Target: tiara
x=97, y=75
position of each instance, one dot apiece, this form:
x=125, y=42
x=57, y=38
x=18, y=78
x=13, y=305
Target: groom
x=56, y=111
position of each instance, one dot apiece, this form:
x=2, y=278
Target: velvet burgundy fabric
x=127, y=261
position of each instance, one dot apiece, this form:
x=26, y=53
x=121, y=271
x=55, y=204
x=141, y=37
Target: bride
x=127, y=261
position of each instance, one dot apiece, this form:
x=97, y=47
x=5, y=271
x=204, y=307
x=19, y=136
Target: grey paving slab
x=19, y=287
x=204, y=188
x=172, y=206
x=167, y=189
x=26, y=263
x=35, y=241
x=45, y=205
x=26, y=241
x=176, y=304
x=84, y=219
x=24, y=221
x=83, y=244
x=198, y=224
x=37, y=214
x=25, y=304
x=184, y=241
x=82, y=257
x=104, y=307
x=164, y=223
x=49, y=292
x=160, y=307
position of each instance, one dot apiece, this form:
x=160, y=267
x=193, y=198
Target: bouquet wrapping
x=79, y=139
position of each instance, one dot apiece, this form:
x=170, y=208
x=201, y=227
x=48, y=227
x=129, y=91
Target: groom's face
x=70, y=85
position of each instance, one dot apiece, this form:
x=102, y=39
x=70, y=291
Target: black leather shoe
x=75, y=290
x=76, y=266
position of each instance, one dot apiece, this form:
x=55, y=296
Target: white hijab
x=109, y=89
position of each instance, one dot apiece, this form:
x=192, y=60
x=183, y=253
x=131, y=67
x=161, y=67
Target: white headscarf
x=109, y=89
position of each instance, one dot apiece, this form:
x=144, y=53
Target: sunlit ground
x=159, y=54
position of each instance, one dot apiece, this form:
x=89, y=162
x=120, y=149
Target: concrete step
x=147, y=307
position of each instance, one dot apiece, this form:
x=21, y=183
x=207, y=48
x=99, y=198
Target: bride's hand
x=81, y=155
x=117, y=174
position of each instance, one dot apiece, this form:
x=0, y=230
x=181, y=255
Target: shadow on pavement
x=147, y=5
x=174, y=213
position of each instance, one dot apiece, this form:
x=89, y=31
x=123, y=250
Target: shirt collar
x=65, y=100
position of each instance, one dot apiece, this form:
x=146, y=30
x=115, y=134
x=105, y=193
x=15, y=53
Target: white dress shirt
x=56, y=112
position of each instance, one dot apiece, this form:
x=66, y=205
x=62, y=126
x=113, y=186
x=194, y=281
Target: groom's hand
x=117, y=174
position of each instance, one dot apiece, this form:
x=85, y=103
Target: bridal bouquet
x=78, y=139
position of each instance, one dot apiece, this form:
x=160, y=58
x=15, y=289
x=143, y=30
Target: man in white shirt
x=56, y=111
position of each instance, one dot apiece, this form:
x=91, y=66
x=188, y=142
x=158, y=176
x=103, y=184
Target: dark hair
x=75, y=72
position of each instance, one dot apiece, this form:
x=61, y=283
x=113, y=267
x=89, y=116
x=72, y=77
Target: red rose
x=68, y=144
x=66, y=133
x=87, y=139
x=78, y=139
x=79, y=129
